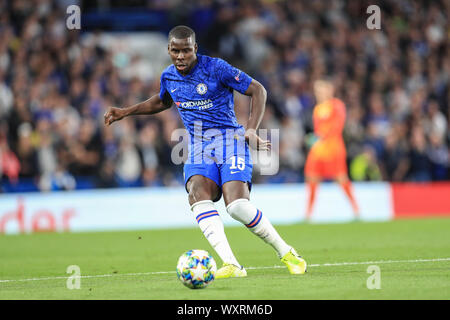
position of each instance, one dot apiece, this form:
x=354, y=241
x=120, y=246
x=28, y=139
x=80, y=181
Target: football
x=196, y=269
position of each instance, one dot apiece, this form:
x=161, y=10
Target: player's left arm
x=243, y=83
x=258, y=95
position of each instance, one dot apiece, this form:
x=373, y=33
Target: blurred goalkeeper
x=218, y=163
x=327, y=157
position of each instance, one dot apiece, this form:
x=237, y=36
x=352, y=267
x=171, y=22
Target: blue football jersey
x=206, y=93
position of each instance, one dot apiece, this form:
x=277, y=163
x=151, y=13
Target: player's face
x=323, y=90
x=183, y=53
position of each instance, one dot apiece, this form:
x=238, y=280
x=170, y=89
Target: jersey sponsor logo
x=201, y=88
x=199, y=104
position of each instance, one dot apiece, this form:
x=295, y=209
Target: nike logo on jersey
x=233, y=172
x=174, y=90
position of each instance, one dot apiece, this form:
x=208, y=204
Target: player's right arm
x=150, y=106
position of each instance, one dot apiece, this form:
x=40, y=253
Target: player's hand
x=255, y=142
x=310, y=139
x=113, y=114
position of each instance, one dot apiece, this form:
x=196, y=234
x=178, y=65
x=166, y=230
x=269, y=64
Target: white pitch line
x=248, y=268
x=358, y=263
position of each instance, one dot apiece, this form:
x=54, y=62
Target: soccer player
x=218, y=163
x=327, y=157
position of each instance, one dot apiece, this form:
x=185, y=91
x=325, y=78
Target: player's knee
x=242, y=210
x=200, y=188
x=198, y=193
x=342, y=179
x=312, y=179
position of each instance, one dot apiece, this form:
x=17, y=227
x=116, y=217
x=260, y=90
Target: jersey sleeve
x=340, y=114
x=232, y=77
x=162, y=90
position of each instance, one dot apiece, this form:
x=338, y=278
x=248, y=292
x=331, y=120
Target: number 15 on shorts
x=237, y=163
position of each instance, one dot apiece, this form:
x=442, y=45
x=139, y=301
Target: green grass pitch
x=413, y=257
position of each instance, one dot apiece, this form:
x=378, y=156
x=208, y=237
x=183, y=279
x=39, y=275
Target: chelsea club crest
x=202, y=88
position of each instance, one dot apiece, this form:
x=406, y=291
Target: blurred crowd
x=395, y=83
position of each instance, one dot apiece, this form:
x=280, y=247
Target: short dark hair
x=181, y=32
